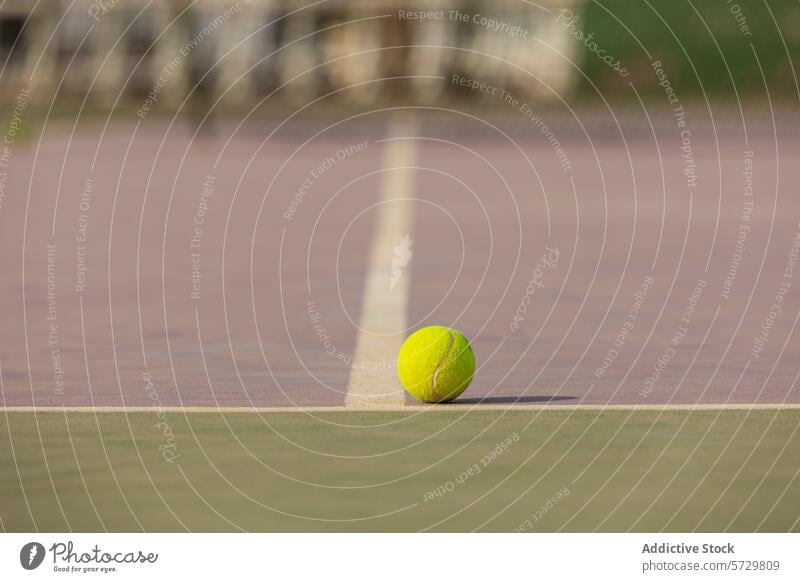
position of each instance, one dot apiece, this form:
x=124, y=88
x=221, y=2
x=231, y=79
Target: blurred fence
x=234, y=52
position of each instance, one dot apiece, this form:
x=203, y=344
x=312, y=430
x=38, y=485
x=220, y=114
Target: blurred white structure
x=234, y=53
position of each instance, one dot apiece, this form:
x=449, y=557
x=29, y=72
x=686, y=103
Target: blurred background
x=225, y=55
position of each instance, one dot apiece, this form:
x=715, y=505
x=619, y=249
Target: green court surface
x=444, y=470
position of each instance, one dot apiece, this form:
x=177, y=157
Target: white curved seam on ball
x=441, y=363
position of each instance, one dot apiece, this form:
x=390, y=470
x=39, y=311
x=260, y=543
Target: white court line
x=450, y=407
x=373, y=382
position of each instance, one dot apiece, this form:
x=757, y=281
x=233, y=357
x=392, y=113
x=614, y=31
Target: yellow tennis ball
x=436, y=364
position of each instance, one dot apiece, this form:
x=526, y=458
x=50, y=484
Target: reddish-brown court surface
x=589, y=261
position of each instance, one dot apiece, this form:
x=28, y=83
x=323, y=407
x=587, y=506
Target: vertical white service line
x=373, y=378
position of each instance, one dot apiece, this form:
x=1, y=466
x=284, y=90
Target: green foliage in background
x=704, y=45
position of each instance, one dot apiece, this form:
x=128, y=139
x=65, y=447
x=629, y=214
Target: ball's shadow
x=513, y=400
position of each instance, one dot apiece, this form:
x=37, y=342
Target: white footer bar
x=400, y=557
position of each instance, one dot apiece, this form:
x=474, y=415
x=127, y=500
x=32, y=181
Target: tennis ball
x=436, y=364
